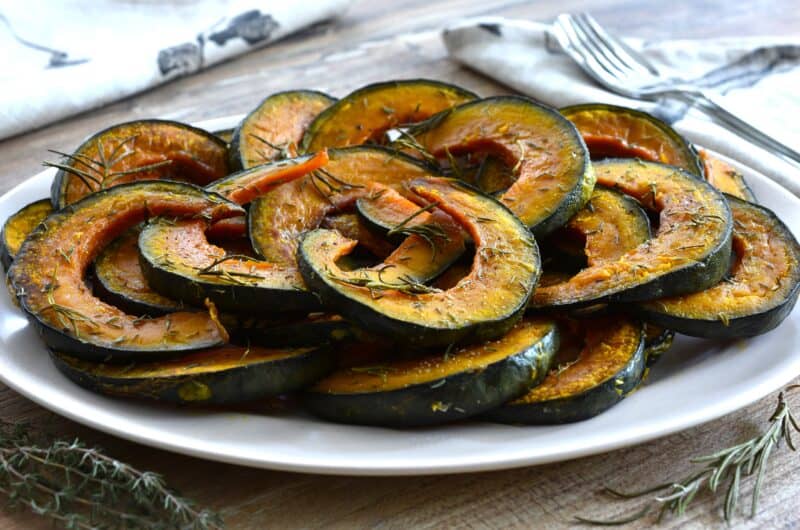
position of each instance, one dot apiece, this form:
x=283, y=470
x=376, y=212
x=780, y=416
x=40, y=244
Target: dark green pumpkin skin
x=568, y=158
x=427, y=90
x=26, y=280
x=29, y=216
x=107, y=289
x=231, y=385
x=372, y=317
x=60, y=181
x=684, y=151
x=699, y=263
x=289, y=333
x=756, y=321
x=460, y=395
x=189, y=287
x=582, y=406
x=656, y=344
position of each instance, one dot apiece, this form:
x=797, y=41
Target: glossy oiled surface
x=380, y=40
x=393, y=375
x=108, y=158
x=764, y=272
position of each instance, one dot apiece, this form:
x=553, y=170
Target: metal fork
x=623, y=70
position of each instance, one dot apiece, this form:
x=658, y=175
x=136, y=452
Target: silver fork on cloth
x=623, y=70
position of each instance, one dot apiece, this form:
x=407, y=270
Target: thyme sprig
x=727, y=467
x=80, y=487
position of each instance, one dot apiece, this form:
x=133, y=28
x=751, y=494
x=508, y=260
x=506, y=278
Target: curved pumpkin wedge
x=351, y=226
x=390, y=212
x=482, y=306
x=610, y=225
x=439, y=388
x=278, y=219
x=725, y=177
x=611, y=131
x=228, y=374
x=18, y=226
x=48, y=273
x=554, y=175
x=179, y=262
x=599, y=363
x=365, y=115
x=118, y=279
x=689, y=252
x=434, y=240
x=759, y=293
x=139, y=150
x=273, y=130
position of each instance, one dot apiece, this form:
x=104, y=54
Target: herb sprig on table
x=79, y=487
x=720, y=471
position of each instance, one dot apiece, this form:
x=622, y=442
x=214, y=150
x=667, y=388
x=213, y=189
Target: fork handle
x=738, y=126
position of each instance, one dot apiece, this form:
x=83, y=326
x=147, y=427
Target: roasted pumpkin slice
x=273, y=130
x=482, y=306
x=352, y=226
x=228, y=374
x=725, y=177
x=657, y=341
x=365, y=115
x=611, y=131
x=48, y=275
x=610, y=225
x=599, y=363
x=18, y=226
x=433, y=240
x=444, y=387
x=118, y=279
x=494, y=176
x=689, y=252
x=278, y=219
x=179, y=262
x=554, y=177
x=759, y=293
x=139, y=150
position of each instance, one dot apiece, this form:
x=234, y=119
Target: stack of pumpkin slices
x=410, y=254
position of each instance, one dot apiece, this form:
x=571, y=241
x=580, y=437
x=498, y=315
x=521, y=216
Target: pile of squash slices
x=410, y=254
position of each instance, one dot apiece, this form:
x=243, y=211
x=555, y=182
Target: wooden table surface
x=379, y=40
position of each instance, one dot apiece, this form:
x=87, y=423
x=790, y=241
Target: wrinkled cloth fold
x=755, y=78
x=61, y=58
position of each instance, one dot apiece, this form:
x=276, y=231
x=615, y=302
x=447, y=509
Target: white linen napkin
x=755, y=78
x=61, y=58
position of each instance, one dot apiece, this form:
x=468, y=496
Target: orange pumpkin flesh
x=554, y=175
x=115, y=156
x=48, y=274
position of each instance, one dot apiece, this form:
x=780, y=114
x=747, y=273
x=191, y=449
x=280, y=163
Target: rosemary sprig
x=406, y=284
x=426, y=231
x=728, y=466
x=283, y=151
x=408, y=141
x=80, y=487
